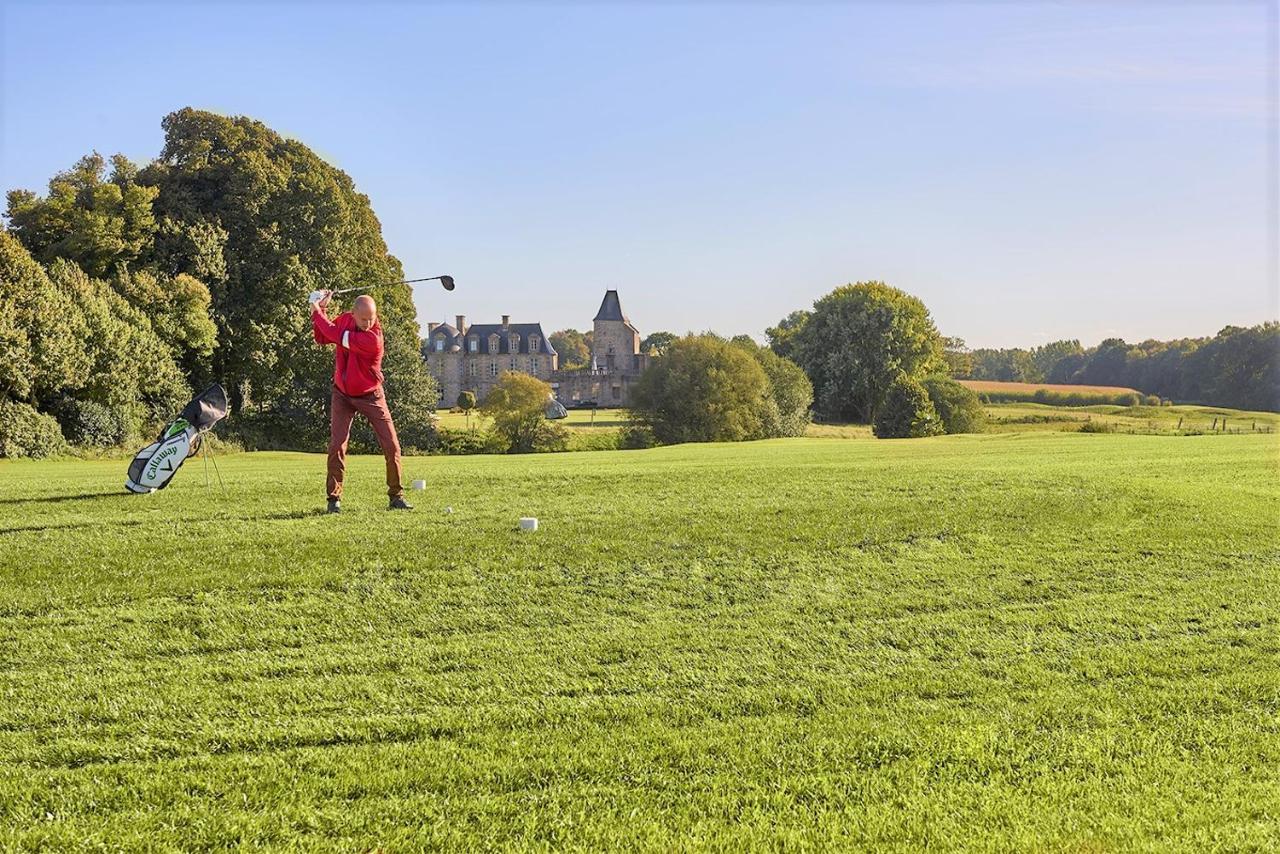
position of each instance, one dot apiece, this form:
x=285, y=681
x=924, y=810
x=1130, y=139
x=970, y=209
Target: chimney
x=506, y=321
x=462, y=323
x=431, y=327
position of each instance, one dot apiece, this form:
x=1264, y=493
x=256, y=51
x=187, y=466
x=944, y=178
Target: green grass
x=1013, y=642
x=1171, y=420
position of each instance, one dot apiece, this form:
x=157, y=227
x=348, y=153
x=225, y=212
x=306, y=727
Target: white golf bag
x=156, y=464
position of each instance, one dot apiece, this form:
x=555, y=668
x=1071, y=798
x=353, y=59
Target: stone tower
x=615, y=346
x=616, y=361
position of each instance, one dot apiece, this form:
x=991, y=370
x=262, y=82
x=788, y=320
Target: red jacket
x=357, y=366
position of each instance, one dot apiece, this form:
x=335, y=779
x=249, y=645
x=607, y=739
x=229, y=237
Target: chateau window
x=473, y=344
x=493, y=369
x=534, y=341
x=439, y=343
x=495, y=343
x=513, y=343
x=473, y=369
x=533, y=365
x=513, y=363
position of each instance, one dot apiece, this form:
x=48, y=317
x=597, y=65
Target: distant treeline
x=1239, y=367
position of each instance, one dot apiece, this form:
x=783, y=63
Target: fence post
x=1215, y=425
x=1224, y=424
x=1179, y=423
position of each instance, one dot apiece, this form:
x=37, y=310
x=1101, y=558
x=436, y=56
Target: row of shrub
x=1074, y=398
x=489, y=441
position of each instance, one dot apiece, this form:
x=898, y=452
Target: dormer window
x=513, y=343
x=439, y=343
x=494, y=343
x=534, y=342
x=473, y=344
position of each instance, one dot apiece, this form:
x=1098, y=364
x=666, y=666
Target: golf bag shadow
x=157, y=463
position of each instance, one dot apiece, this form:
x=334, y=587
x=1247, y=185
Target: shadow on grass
x=84, y=496
x=71, y=526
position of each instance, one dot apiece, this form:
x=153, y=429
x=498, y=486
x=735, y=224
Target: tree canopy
x=857, y=340
x=656, y=343
x=573, y=347
x=704, y=389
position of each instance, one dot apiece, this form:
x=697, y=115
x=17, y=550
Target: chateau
x=471, y=358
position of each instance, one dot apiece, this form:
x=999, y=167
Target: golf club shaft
x=387, y=284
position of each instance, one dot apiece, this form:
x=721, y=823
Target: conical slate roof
x=611, y=308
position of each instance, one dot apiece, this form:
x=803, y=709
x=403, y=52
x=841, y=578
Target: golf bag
x=156, y=464
x=555, y=409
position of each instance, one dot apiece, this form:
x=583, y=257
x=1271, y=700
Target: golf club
x=445, y=281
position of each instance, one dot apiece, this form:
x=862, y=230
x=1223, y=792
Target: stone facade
x=471, y=358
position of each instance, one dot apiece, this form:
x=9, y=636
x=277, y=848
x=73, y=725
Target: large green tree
x=782, y=337
x=68, y=340
x=857, y=340
x=106, y=226
x=271, y=221
x=98, y=221
x=41, y=333
x=131, y=370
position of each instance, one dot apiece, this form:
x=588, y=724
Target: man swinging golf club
x=357, y=387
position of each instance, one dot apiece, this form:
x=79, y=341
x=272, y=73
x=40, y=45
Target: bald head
x=365, y=311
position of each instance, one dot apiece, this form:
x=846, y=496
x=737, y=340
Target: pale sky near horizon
x=1032, y=171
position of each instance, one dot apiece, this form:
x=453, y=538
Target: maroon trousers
x=372, y=406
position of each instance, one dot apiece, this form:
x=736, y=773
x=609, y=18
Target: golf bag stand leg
x=204, y=446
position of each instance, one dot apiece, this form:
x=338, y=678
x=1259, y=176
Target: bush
x=92, y=425
x=907, y=412
x=957, y=406
x=453, y=442
x=704, y=389
x=517, y=405
x=790, y=391
x=1092, y=426
x=1051, y=397
x=24, y=432
x=637, y=438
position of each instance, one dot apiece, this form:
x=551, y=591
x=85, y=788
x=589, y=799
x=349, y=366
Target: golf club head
x=447, y=281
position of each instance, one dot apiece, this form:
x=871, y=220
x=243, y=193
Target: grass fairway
x=1039, y=641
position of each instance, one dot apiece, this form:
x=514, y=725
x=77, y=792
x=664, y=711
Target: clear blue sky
x=1030, y=170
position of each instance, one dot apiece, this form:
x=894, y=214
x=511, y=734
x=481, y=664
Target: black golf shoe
x=398, y=503
x=335, y=506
